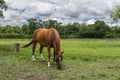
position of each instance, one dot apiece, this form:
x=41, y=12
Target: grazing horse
x=49, y=38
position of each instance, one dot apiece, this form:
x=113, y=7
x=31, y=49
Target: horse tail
x=28, y=44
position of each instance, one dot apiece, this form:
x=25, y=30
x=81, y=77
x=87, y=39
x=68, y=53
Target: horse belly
x=43, y=43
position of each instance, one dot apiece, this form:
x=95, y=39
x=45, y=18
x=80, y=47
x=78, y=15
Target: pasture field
x=83, y=59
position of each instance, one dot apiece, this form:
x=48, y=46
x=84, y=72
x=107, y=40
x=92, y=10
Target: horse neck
x=56, y=43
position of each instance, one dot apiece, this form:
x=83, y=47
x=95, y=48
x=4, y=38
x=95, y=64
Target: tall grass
x=84, y=59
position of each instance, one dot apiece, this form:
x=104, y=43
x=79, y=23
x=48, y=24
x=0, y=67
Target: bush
x=14, y=36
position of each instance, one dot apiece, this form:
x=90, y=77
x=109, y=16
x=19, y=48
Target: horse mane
x=56, y=39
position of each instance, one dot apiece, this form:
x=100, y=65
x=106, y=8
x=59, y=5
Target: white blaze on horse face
x=48, y=64
x=33, y=57
x=42, y=57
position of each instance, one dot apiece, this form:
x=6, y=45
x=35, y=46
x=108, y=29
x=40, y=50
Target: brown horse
x=49, y=38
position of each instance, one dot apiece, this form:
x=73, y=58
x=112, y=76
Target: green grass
x=84, y=59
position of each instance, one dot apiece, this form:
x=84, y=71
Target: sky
x=65, y=11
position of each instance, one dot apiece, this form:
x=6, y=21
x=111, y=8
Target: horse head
x=58, y=59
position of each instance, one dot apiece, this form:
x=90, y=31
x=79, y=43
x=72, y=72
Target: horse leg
x=49, y=55
x=54, y=57
x=41, y=54
x=33, y=50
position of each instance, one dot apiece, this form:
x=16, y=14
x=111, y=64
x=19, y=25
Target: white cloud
x=86, y=11
x=92, y=21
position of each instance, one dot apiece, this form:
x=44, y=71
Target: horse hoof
x=58, y=68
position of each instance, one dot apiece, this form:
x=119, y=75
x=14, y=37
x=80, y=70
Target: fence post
x=16, y=47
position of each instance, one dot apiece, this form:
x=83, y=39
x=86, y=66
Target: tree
x=87, y=31
x=9, y=29
x=3, y=6
x=97, y=30
x=25, y=29
x=17, y=29
x=32, y=25
x=115, y=14
x=101, y=29
x=51, y=24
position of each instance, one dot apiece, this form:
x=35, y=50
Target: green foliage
x=97, y=30
x=74, y=30
x=13, y=32
x=25, y=29
x=87, y=31
x=3, y=6
x=115, y=14
x=32, y=25
x=101, y=29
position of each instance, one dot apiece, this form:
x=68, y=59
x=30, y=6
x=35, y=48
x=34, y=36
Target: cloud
x=71, y=9
x=65, y=11
x=92, y=21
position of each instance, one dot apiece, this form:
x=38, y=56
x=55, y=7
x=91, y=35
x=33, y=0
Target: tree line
x=71, y=30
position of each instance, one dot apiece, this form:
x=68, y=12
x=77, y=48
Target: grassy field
x=84, y=59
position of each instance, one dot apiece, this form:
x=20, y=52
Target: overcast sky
x=65, y=11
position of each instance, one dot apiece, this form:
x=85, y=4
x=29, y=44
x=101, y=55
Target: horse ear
x=62, y=52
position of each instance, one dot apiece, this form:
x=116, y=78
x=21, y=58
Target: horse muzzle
x=59, y=67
